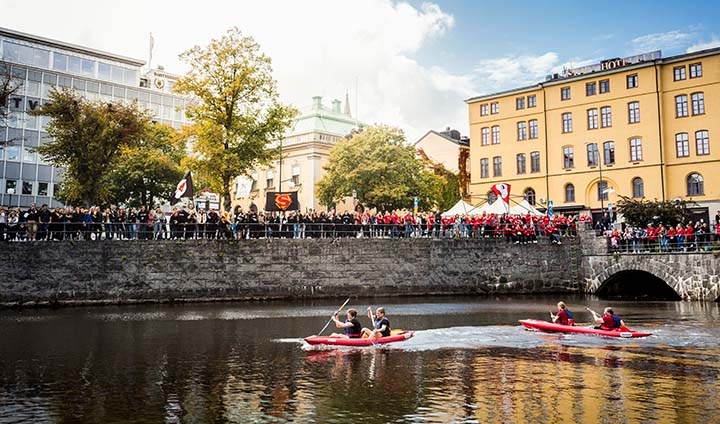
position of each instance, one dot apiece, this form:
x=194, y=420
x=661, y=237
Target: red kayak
x=341, y=341
x=538, y=325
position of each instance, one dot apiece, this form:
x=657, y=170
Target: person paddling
x=608, y=321
x=351, y=327
x=563, y=316
x=380, y=323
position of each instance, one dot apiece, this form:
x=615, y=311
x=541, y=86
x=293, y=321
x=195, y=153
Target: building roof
x=70, y=47
x=554, y=80
x=447, y=135
x=320, y=118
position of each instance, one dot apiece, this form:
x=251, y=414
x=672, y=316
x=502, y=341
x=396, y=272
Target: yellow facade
x=641, y=98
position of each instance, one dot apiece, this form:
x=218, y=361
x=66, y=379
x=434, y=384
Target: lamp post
x=10, y=193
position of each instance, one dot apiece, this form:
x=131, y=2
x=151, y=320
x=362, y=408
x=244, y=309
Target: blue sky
x=406, y=63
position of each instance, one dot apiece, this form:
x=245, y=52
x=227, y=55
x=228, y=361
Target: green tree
x=150, y=169
x=382, y=169
x=9, y=85
x=235, y=110
x=87, y=138
x=641, y=212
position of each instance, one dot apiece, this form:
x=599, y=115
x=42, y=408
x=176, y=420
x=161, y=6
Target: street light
x=10, y=192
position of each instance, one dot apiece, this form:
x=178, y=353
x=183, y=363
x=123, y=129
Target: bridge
x=662, y=276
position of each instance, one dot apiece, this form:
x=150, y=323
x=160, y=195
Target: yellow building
x=642, y=126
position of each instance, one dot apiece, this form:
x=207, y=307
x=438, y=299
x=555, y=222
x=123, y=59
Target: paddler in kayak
x=608, y=321
x=380, y=323
x=563, y=316
x=351, y=327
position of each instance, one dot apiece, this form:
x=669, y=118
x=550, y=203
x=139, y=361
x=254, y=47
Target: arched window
x=569, y=193
x=638, y=187
x=695, y=185
x=530, y=196
x=491, y=197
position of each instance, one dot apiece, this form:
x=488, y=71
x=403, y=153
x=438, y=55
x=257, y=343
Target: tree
x=641, y=212
x=9, y=85
x=382, y=169
x=235, y=110
x=87, y=139
x=150, y=169
x=450, y=184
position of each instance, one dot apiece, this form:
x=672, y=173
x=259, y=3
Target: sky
x=409, y=64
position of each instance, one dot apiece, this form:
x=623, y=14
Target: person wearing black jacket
x=44, y=217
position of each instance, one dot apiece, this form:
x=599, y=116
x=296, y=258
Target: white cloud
x=662, y=40
x=714, y=42
x=513, y=71
x=318, y=48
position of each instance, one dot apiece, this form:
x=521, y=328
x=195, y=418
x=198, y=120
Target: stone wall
x=197, y=270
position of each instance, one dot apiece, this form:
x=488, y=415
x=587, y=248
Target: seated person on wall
x=380, y=323
x=563, y=316
x=351, y=327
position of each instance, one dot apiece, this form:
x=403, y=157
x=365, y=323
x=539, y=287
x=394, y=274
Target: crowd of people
x=120, y=223
x=692, y=236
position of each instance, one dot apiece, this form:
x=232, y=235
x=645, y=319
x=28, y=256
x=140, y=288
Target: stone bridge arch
x=688, y=276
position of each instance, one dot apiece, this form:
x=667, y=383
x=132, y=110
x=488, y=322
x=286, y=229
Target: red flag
x=502, y=190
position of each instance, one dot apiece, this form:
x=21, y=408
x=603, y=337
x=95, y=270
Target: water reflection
x=469, y=362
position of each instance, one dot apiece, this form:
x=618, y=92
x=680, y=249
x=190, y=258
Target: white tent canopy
x=461, y=208
x=524, y=208
x=499, y=207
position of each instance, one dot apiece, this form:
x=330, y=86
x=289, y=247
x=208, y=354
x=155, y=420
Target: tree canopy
x=641, y=212
x=382, y=169
x=235, y=110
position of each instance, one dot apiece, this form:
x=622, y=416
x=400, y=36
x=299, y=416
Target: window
x=60, y=62
x=605, y=86
x=269, y=175
x=635, y=149
x=681, y=106
x=565, y=93
x=29, y=155
x=522, y=130
x=497, y=166
x=638, y=188
x=605, y=117
x=679, y=73
x=483, y=110
x=592, y=154
x=530, y=196
x=496, y=135
x=295, y=174
x=569, y=193
x=26, y=55
x=533, y=123
x=632, y=81
x=56, y=189
x=698, y=103
x=568, y=157
x=520, y=103
x=42, y=189
x=484, y=171
x=532, y=101
x=535, y=162
x=485, y=136
x=521, y=163
x=603, y=190
x=13, y=153
x=592, y=118
x=634, y=112
x=695, y=185
x=567, y=122
x=609, y=150
x=590, y=88
x=695, y=70
x=10, y=184
x=494, y=108
x=682, y=145
x=702, y=142
x=27, y=187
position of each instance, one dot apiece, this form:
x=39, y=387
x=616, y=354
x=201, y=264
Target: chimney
x=317, y=102
x=336, y=106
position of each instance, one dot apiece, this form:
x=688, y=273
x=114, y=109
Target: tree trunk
x=226, y=194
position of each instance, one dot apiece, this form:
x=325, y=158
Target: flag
x=502, y=190
x=282, y=201
x=183, y=189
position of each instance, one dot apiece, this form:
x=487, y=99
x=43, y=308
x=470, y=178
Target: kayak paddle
x=333, y=316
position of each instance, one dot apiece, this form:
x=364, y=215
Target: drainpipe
x=660, y=137
x=545, y=131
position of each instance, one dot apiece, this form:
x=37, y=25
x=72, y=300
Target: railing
x=699, y=243
x=243, y=230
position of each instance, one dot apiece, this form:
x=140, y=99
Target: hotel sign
x=610, y=64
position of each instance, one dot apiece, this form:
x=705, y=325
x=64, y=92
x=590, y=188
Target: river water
x=469, y=361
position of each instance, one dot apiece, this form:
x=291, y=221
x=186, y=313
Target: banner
x=183, y=189
x=243, y=185
x=277, y=201
x=502, y=190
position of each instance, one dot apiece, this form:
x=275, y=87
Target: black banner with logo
x=278, y=201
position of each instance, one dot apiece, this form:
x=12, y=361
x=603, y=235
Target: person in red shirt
x=608, y=321
x=563, y=316
x=689, y=235
x=680, y=232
